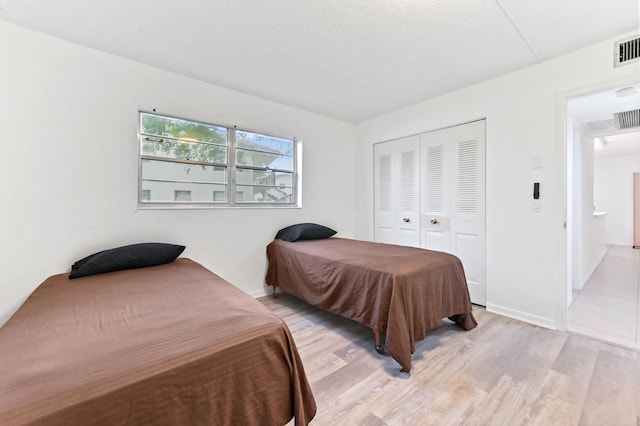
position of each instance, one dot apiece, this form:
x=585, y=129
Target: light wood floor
x=607, y=308
x=504, y=372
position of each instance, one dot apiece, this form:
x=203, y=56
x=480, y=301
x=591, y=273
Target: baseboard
x=588, y=276
x=496, y=309
x=259, y=293
x=522, y=316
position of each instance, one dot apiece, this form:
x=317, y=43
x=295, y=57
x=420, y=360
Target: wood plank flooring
x=607, y=308
x=504, y=372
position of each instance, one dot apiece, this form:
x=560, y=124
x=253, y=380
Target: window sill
x=210, y=207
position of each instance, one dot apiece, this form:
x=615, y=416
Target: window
x=182, y=196
x=184, y=162
x=264, y=168
x=219, y=196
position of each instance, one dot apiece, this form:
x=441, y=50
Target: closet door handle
x=407, y=219
x=434, y=221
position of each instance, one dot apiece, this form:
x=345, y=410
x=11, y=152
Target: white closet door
x=468, y=205
x=453, y=198
x=430, y=193
x=384, y=194
x=435, y=218
x=397, y=207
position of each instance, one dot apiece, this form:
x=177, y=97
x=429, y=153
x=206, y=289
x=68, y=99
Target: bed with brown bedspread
x=167, y=345
x=401, y=291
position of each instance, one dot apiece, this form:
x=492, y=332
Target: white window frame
x=231, y=168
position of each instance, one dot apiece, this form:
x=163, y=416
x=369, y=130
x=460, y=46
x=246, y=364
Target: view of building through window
x=186, y=162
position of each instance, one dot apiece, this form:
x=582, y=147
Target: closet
x=430, y=193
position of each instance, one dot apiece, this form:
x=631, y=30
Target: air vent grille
x=627, y=51
x=627, y=119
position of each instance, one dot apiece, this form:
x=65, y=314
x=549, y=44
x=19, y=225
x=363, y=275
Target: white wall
x=526, y=256
x=614, y=194
x=69, y=165
x=591, y=246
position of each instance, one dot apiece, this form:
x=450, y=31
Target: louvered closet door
x=453, y=198
x=468, y=205
x=435, y=212
x=384, y=194
x=397, y=207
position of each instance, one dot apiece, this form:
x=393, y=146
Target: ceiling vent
x=627, y=119
x=627, y=51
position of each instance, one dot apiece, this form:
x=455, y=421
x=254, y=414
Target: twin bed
x=400, y=291
x=172, y=343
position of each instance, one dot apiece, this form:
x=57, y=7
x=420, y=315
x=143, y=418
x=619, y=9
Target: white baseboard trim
x=522, y=316
x=259, y=293
x=588, y=276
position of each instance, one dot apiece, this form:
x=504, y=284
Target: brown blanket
x=401, y=291
x=167, y=345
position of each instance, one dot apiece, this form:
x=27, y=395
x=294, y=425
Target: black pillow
x=126, y=257
x=304, y=231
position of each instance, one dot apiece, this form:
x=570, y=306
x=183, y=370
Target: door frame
x=635, y=205
x=564, y=155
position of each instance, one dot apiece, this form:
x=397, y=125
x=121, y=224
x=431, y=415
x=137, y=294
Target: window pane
x=169, y=171
x=260, y=177
x=171, y=148
x=181, y=195
x=157, y=125
x=264, y=143
x=263, y=159
x=172, y=192
x=263, y=194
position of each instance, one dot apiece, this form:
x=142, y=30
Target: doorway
x=601, y=158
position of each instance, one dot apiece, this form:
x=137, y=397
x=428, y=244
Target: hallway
x=607, y=307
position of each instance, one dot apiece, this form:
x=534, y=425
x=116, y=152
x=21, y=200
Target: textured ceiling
x=348, y=59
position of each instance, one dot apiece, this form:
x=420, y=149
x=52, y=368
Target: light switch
x=537, y=206
x=536, y=162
